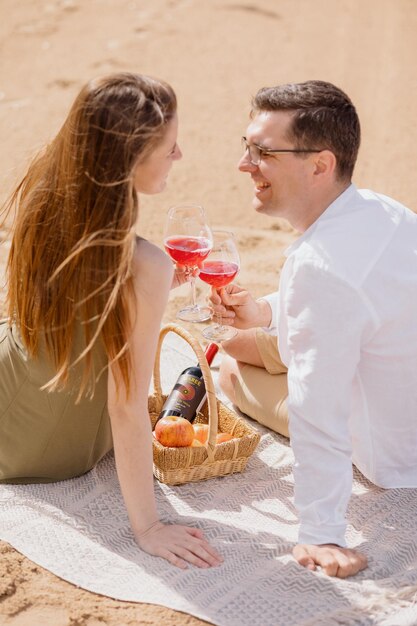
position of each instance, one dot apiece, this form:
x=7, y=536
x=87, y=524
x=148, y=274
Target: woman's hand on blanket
x=179, y=545
x=239, y=308
x=333, y=560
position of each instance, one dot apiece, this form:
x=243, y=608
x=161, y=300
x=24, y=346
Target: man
x=345, y=317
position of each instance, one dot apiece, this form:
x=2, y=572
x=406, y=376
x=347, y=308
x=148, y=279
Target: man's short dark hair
x=324, y=119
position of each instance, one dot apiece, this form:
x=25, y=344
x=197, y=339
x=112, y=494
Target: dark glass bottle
x=189, y=392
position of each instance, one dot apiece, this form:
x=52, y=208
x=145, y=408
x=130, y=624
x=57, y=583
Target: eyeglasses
x=256, y=153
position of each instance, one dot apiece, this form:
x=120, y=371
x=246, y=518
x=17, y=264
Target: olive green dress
x=47, y=436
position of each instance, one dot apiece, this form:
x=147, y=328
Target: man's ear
x=325, y=163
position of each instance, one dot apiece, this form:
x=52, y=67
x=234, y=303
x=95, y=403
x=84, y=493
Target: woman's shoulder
x=147, y=253
x=151, y=261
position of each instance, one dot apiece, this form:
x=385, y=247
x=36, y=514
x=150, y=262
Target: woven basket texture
x=188, y=464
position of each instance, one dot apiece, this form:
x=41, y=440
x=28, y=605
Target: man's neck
x=319, y=205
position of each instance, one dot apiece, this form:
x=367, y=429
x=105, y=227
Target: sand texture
x=216, y=54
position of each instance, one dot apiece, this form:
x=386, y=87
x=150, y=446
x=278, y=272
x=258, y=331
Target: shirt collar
x=336, y=206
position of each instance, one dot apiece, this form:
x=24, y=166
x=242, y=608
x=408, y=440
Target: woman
x=85, y=300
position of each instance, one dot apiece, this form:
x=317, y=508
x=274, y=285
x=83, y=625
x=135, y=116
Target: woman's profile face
x=150, y=175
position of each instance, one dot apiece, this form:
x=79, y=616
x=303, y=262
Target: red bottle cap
x=211, y=352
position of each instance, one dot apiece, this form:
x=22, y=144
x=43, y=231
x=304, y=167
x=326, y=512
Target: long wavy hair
x=71, y=256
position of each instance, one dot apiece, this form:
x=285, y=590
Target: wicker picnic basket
x=175, y=466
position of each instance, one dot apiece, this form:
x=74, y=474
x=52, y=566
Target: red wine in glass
x=218, y=270
x=189, y=251
x=188, y=241
x=218, y=273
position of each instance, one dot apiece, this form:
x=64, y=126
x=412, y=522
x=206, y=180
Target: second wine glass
x=188, y=240
x=218, y=270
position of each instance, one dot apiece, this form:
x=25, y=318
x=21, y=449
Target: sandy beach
x=216, y=54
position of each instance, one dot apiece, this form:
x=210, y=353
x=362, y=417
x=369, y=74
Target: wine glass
x=218, y=270
x=188, y=240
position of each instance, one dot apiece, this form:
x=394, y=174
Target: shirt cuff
x=314, y=535
x=272, y=299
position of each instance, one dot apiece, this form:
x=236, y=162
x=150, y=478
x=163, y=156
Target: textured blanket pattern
x=78, y=529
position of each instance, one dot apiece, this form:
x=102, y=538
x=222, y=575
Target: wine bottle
x=189, y=392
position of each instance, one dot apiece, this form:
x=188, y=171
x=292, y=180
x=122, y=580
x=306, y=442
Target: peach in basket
x=222, y=437
x=201, y=432
x=174, y=432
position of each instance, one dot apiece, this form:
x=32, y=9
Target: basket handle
x=207, y=377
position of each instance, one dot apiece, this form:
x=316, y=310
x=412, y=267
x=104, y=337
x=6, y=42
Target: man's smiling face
x=282, y=181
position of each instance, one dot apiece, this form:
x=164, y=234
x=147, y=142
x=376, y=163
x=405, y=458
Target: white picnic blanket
x=78, y=529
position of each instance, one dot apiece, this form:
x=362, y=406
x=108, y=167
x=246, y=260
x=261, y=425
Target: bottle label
x=186, y=397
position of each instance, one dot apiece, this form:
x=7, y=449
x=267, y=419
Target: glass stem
x=219, y=320
x=193, y=294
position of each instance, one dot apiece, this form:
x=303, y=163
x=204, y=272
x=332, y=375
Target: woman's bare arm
x=131, y=424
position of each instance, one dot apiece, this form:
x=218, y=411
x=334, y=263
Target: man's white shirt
x=346, y=318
